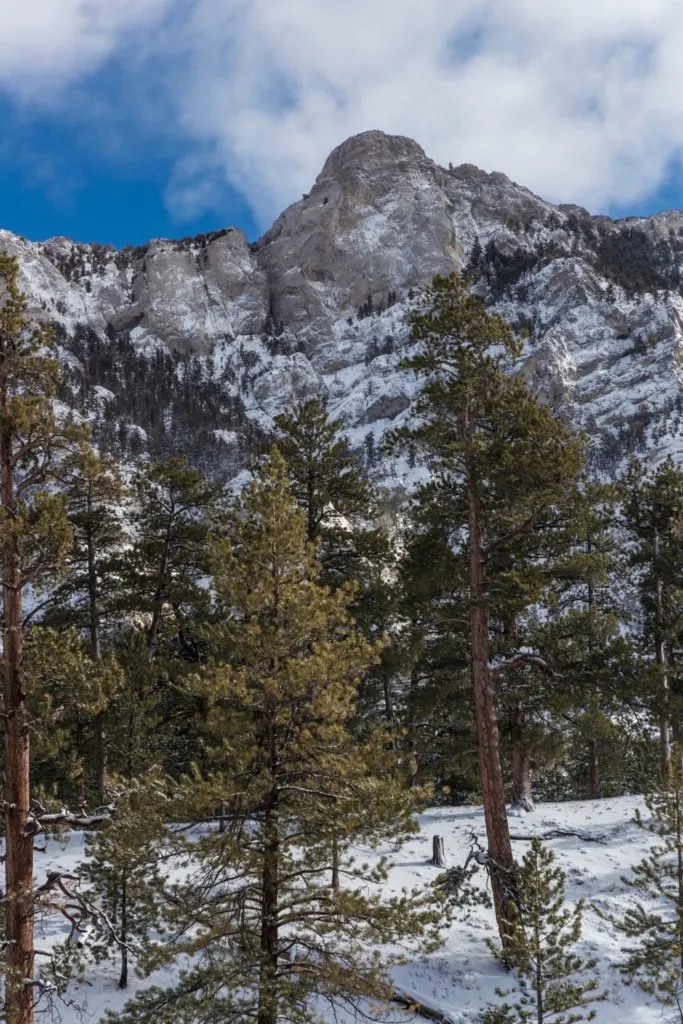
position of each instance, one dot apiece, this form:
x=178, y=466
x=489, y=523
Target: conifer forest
x=240, y=716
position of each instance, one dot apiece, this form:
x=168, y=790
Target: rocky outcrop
x=319, y=303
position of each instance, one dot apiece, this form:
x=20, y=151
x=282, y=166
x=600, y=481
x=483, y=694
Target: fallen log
x=560, y=833
x=417, y=1005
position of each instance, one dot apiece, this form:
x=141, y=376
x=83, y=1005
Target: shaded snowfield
x=460, y=979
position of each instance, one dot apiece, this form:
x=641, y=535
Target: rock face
x=202, y=339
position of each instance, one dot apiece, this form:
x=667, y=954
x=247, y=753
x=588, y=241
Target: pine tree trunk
x=158, y=599
x=438, y=852
x=594, y=783
x=413, y=689
x=539, y=976
x=80, y=781
x=335, y=863
x=268, y=1002
x=99, y=739
x=660, y=658
x=594, y=770
x=388, y=702
x=100, y=757
x=522, y=797
x=19, y=954
x=123, y=977
x=679, y=858
x=501, y=861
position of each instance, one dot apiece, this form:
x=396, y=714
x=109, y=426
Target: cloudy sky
x=125, y=119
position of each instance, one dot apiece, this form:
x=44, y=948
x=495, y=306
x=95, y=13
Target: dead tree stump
x=438, y=852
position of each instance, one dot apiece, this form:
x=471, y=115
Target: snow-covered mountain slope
x=460, y=979
x=319, y=303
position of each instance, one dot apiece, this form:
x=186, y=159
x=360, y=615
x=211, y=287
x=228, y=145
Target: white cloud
x=47, y=43
x=582, y=102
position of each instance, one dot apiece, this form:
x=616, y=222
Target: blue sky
x=124, y=121
x=55, y=181
x=57, y=177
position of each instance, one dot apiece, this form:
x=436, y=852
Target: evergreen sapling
x=555, y=986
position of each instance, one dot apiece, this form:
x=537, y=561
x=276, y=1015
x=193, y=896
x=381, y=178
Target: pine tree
x=123, y=869
x=438, y=708
x=34, y=536
x=267, y=931
x=376, y=613
x=655, y=960
x=500, y=463
x=168, y=561
x=541, y=944
x=653, y=514
x=576, y=627
x=90, y=591
x=66, y=692
x=325, y=476
x=583, y=632
x=124, y=875
x=327, y=481
x=165, y=575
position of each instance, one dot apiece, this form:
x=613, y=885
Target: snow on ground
x=460, y=979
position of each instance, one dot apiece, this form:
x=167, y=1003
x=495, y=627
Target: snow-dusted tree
x=91, y=585
x=654, y=960
x=34, y=536
x=500, y=463
x=167, y=562
x=325, y=476
x=268, y=934
x=555, y=986
x=124, y=878
x=653, y=515
x=66, y=691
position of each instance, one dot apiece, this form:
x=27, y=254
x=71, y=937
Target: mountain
x=193, y=345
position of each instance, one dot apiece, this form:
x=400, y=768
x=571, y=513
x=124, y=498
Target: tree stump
x=438, y=852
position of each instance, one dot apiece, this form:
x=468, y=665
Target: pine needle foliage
x=124, y=877
x=269, y=938
x=654, y=923
x=553, y=983
x=324, y=474
x=34, y=537
x=500, y=465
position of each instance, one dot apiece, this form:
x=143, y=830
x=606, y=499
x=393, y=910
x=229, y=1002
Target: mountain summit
x=190, y=344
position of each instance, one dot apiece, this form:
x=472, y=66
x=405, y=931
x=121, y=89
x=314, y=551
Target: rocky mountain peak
x=193, y=343
x=370, y=152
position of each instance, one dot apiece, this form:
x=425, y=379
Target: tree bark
x=679, y=865
x=268, y=1001
x=594, y=770
x=388, y=701
x=100, y=757
x=19, y=955
x=501, y=861
x=123, y=977
x=660, y=658
x=158, y=599
x=438, y=852
x=99, y=737
x=335, y=863
x=522, y=797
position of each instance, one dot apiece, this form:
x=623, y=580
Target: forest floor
x=460, y=979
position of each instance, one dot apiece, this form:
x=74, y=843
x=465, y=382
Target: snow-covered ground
x=460, y=979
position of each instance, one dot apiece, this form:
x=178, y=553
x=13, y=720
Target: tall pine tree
x=268, y=933
x=653, y=515
x=34, y=536
x=654, y=923
x=500, y=463
x=90, y=590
